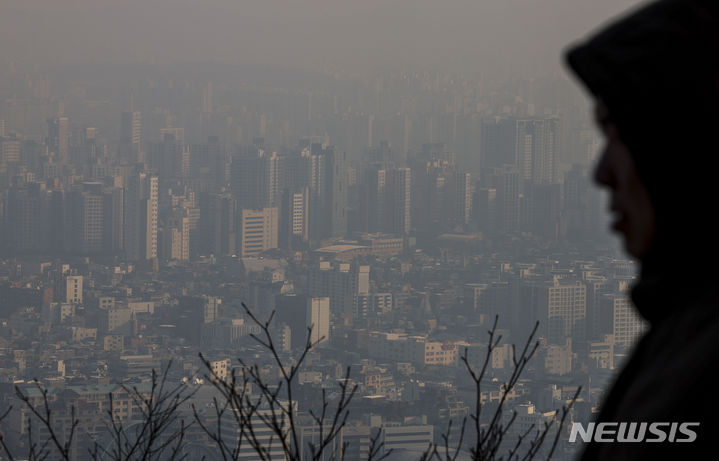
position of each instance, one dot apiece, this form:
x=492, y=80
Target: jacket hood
x=657, y=71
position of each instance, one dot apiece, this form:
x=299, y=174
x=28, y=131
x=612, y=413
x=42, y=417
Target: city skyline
x=386, y=204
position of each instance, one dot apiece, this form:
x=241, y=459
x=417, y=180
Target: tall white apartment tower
x=318, y=317
x=141, y=217
x=73, y=289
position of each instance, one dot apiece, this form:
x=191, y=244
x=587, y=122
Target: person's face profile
x=630, y=203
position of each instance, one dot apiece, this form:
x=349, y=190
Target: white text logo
x=634, y=432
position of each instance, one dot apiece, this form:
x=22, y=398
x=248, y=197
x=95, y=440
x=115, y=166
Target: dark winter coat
x=657, y=71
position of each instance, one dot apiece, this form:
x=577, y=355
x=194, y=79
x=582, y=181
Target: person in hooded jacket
x=654, y=76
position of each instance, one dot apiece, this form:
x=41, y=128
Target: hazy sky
x=511, y=35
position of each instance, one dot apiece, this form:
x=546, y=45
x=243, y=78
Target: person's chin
x=629, y=244
x=632, y=248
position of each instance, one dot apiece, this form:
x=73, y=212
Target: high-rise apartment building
x=170, y=158
x=217, y=226
x=9, y=150
x=497, y=143
x=207, y=98
x=25, y=218
x=86, y=208
x=536, y=148
x=385, y=200
x=318, y=318
x=177, y=134
x=86, y=150
x=207, y=165
x=256, y=178
x=401, y=195
x=566, y=310
x=529, y=143
x=294, y=219
x=507, y=199
x=58, y=137
x=141, y=208
x=130, y=148
x=325, y=172
x=73, y=289
x=342, y=284
x=338, y=211
x=560, y=306
x=258, y=231
x=545, y=202
x=113, y=219
x=176, y=237
x=627, y=325
x=211, y=309
x=463, y=198
x=375, y=200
